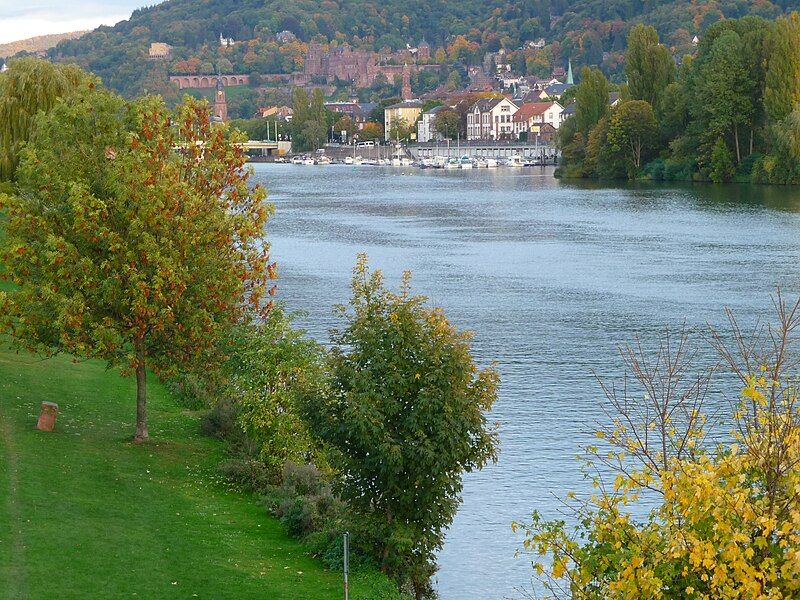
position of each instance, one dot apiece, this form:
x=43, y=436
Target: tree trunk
x=752, y=129
x=141, y=398
x=736, y=136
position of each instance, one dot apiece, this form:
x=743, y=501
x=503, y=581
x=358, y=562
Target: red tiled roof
x=531, y=109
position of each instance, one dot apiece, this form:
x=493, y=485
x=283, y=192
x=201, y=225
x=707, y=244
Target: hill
x=459, y=33
x=36, y=44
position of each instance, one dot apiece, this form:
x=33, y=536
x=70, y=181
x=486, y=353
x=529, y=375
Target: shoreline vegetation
x=133, y=238
x=727, y=114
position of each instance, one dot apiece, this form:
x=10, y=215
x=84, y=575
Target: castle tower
x=220, y=102
x=407, y=94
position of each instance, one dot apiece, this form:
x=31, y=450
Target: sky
x=20, y=19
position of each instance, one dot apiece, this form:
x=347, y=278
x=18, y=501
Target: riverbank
x=85, y=513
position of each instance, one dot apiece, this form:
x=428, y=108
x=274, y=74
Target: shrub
x=221, y=421
x=249, y=474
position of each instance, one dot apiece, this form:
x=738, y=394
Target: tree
x=345, y=123
x=314, y=135
x=782, y=91
x=29, y=86
x=400, y=130
x=127, y=250
x=648, y=65
x=404, y=413
x=270, y=367
x=723, y=89
x=371, y=131
x=721, y=515
x=722, y=167
x=633, y=130
x=591, y=99
x=447, y=123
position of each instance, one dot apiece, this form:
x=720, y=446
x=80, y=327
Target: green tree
x=400, y=130
x=104, y=232
x=782, y=92
x=632, y=131
x=345, y=123
x=404, y=413
x=648, y=65
x=722, y=167
x=271, y=366
x=724, y=101
x=591, y=99
x=314, y=135
x=447, y=123
x=29, y=86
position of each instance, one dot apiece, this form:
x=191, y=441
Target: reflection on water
x=551, y=277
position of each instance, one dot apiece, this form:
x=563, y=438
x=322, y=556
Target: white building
x=426, y=126
x=537, y=113
x=491, y=119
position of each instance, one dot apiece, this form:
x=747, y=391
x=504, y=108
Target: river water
x=551, y=277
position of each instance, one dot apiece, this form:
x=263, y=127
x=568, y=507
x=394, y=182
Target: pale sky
x=20, y=19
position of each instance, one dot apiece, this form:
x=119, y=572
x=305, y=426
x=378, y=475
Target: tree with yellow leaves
x=725, y=521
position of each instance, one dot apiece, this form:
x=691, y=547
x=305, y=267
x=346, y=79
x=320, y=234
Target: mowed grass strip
x=85, y=513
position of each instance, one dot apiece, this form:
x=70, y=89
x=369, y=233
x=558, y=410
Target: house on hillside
x=554, y=91
x=403, y=112
x=537, y=113
x=159, y=51
x=491, y=119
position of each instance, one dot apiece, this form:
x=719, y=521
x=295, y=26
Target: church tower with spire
x=220, y=102
x=407, y=94
x=570, y=80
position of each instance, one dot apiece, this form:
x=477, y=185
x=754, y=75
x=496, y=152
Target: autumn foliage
x=133, y=236
x=687, y=506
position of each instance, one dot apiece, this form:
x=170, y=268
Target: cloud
x=39, y=17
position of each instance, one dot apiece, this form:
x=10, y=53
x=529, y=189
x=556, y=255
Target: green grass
x=85, y=513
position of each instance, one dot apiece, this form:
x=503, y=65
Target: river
x=551, y=277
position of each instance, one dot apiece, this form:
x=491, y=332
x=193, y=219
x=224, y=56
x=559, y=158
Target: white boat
x=308, y=161
x=515, y=160
x=491, y=163
x=349, y=160
x=406, y=162
x=465, y=162
x=323, y=160
x=297, y=160
x=452, y=163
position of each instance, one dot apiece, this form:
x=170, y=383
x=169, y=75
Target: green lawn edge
x=84, y=512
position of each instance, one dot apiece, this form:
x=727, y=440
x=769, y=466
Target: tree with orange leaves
x=133, y=237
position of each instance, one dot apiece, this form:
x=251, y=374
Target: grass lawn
x=85, y=513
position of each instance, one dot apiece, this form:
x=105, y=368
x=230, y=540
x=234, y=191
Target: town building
x=357, y=111
x=285, y=36
x=280, y=113
x=423, y=51
x=225, y=42
x=529, y=116
x=426, y=127
x=159, y=51
x=406, y=112
x=220, y=102
x=554, y=91
x=491, y=119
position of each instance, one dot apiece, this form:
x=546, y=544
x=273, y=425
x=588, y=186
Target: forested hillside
x=589, y=32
